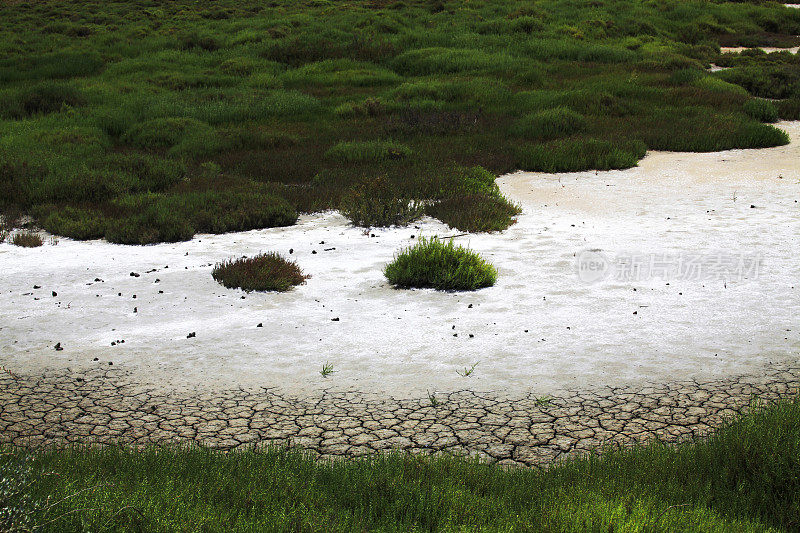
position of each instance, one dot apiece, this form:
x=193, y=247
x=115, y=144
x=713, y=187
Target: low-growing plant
x=432, y=263
x=162, y=133
x=543, y=401
x=327, y=370
x=549, y=124
x=446, y=60
x=377, y=203
x=467, y=370
x=761, y=110
x=475, y=212
x=434, y=401
x=263, y=272
x=432, y=122
x=771, y=81
x=368, y=151
x=685, y=76
x=369, y=107
x=76, y=223
x=151, y=218
x=41, y=98
x=339, y=72
x=580, y=154
x=789, y=109
x=27, y=239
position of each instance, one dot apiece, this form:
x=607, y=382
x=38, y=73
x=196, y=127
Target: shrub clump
x=578, y=155
x=475, y=212
x=761, y=110
x=153, y=218
x=264, y=272
x=789, y=109
x=76, y=223
x=433, y=264
x=549, y=124
x=26, y=239
x=377, y=203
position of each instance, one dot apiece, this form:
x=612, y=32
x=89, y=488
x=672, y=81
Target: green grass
x=761, y=110
x=741, y=478
x=372, y=151
x=576, y=155
x=263, y=272
x=104, y=102
x=432, y=263
x=549, y=124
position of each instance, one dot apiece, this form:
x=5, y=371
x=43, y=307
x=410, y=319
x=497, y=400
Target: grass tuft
x=433, y=264
x=26, y=239
x=264, y=272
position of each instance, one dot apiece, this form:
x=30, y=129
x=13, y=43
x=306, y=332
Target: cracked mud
x=105, y=406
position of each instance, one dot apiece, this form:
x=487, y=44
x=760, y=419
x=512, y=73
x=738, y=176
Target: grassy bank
x=142, y=122
x=742, y=478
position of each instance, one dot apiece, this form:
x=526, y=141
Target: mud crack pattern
x=109, y=406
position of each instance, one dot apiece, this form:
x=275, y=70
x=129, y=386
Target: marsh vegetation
x=145, y=123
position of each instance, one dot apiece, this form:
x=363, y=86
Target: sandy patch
x=767, y=49
x=541, y=328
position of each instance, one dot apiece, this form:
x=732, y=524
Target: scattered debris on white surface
x=155, y=310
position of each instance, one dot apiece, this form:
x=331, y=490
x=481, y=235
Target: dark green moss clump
x=264, y=272
x=433, y=264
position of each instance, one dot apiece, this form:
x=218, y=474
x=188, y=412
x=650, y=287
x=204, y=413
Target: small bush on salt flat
x=433, y=264
x=264, y=272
